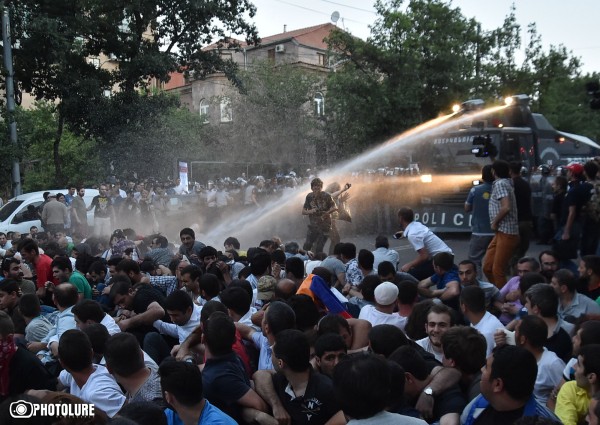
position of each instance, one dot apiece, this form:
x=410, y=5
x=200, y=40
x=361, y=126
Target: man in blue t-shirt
x=445, y=279
x=478, y=203
x=181, y=384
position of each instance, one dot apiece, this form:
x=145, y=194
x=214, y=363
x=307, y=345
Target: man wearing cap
x=382, y=313
x=266, y=289
x=55, y=215
x=578, y=195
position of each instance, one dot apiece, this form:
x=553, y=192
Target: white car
x=20, y=213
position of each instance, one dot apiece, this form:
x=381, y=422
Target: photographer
x=318, y=206
x=339, y=196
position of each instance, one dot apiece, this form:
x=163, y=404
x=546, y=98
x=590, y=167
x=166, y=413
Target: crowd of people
x=156, y=331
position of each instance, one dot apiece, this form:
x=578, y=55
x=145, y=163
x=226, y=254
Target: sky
x=572, y=23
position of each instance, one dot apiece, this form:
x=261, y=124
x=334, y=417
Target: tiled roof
x=310, y=36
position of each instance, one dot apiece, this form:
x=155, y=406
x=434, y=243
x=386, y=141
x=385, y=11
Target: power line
x=350, y=7
x=318, y=11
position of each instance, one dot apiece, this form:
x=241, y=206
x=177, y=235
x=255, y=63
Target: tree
x=274, y=118
x=57, y=44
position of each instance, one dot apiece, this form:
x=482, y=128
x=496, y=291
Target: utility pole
x=10, y=99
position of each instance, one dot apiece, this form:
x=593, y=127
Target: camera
x=21, y=409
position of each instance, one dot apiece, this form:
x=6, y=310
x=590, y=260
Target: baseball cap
x=386, y=293
x=575, y=168
x=266, y=288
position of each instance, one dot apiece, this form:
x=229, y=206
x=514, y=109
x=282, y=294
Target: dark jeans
x=589, y=237
x=157, y=346
x=316, y=236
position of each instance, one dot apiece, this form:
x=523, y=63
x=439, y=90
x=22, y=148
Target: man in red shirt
x=43, y=270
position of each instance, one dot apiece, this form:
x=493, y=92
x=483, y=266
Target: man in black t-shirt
x=103, y=212
x=140, y=306
x=447, y=405
x=306, y=395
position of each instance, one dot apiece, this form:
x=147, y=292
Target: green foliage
x=274, y=118
x=37, y=130
x=425, y=55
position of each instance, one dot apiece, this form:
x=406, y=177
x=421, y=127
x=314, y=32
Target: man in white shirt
x=472, y=305
x=90, y=382
x=238, y=302
x=384, y=253
x=386, y=299
x=185, y=317
x=87, y=312
x=423, y=241
x=531, y=333
x=439, y=320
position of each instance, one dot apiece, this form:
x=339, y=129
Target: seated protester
x=207, y=256
x=353, y=274
x=265, y=291
x=65, y=297
x=160, y=252
x=355, y=332
x=223, y=378
x=98, y=336
x=144, y=413
x=304, y=394
x=517, y=309
x=182, y=388
x=20, y=370
x=384, y=253
x=385, y=339
x=62, y=270
x=571, y=304
x=408, y=295
x=307, y=314
x=387, y=271
x=589, y=276
x=445, y=279
x=574, y=396
x=362, y=385
x=98, y=278
x=329, y=350
x=238, y=302
x=386, y=299
x=190, y=279
x=334, y=264
x=467, y=272
x=542, y=301
x=510, y=293
x=294, y=270
x=140, y=306
x=278, y=317
x=87, y=312
x=507, y=383
x=472, y=306
x=125, y=361
x=464, y=349
x=588, y=333
x=364, y=293
x=448, y=404
x=327, y=299
x=594, y=410
x=90, y=382
x=416, y=325
x=37, y=325
x=531, y=334
x=285, y=289
x=164, y=284
x=185, y=317
x=439, y=321
x=12, y=269
x=209, y=288
x=9, y=302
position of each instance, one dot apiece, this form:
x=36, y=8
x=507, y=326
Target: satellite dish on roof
x=335, y=16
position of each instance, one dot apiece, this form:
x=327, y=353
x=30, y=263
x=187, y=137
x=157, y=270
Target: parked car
x=20, y=213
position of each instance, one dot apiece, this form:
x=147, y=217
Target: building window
x=204, y=111
x=94, y=61
x=271, y=55
x=322, y=59
x=226, y=111
x=319, y=104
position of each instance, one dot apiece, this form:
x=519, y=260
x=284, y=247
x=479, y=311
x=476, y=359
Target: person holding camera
x=318, y=206
x=340, y=196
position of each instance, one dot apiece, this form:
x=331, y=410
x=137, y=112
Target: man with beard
x=572, y=305
x=11, y=269
x=549, y=263
x=439, y=320
x=589, y=275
